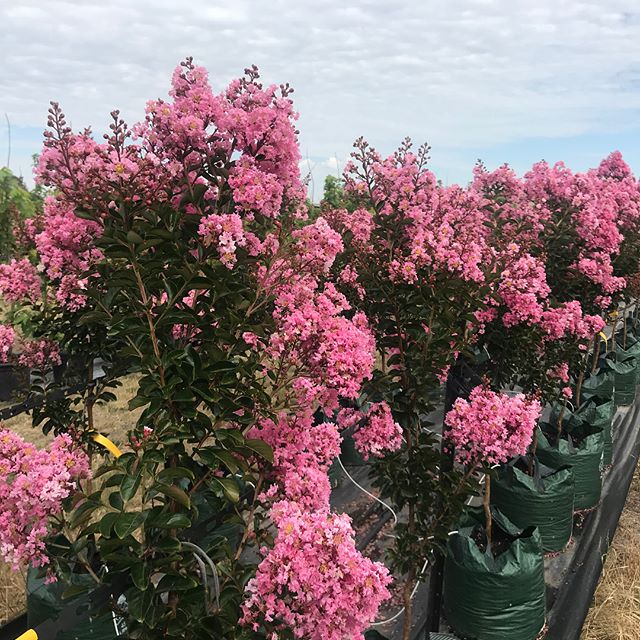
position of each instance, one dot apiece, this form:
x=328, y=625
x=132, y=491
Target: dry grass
x=113, y=420
x=615, y=613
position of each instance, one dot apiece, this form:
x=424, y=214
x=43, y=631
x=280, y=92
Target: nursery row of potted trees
x=184, y=247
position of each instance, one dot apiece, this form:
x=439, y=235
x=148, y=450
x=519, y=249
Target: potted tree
x=494, y=571
x=211, y=288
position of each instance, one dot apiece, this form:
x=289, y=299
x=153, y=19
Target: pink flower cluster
x=19, y=281
x=376, y=432
x=442, y=228
x=314, y=581
x=316, y=247
x=33, y=484
x=523, y=289
x=490, y=427
x=225, y=233
x=560, y=372
x=332, y=353
x=255, y=191
x=359, y=224
x=40, y=354
x=302, y=454
x=7, y=338
x=66, y=247
x=590, y=204
x=568, y=320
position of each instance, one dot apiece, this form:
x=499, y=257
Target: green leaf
x=134, y=238
x=173, y=473
x=140, y=574
x=229, y=487
x=81, y=512
x=184, y=395
x=138, y=401
x=176, y=583
x=171, y=521
x=75, y=590
x=261, y=448
x=223, y=365
x=107, y=522
x=129, y=485
x=127, y=523
x=139, y=602
x=175, y=493
x=168, y=545
x=116, y=501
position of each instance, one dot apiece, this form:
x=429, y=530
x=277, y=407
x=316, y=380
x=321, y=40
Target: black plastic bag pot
x=495, y=598
x=544, y=500
x=349, y=454
x=45, y=602
x=585, y=460
x=13, y=379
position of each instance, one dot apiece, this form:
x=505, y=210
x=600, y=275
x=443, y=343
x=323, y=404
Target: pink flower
x=490, y=427
x=7, y=338
x=255, y=191
x=19, y=281
x=33, y=484
x=560, y=372
x=40, y=354
x=314, y=582
x=379, y=433
x=225, y=233
x=66, y=245
x=302, y=454
x=523, y=289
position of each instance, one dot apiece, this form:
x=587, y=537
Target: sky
x=501, y=80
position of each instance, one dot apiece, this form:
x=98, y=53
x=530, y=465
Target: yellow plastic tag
x=107, y=444
x=28, y=635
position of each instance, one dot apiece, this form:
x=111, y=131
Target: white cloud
x=459, y=73
x=334, y=163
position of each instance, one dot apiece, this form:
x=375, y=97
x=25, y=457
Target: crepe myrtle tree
x=416, y=263
x=216, y=292
x=44, y=303
x=530, y=337
x=618, y=177
x=490, y=428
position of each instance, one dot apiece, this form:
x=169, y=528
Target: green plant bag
x=626, y=377
x=585, y=461
x=599, y=414
x=594, y=412
x=45, y=602
x=544, y=500
x=487, y=598
x=632, y=350
x=599, y=384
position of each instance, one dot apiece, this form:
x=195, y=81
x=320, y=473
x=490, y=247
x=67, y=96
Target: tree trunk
x=579, y=389
x=596, y=353
x=408, y=605
x=486, y=503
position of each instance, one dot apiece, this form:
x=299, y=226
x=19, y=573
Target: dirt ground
x=113, y=419
x=615, y=612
